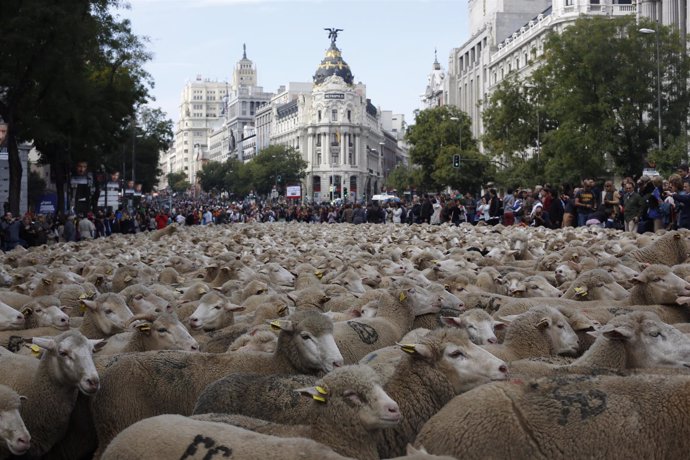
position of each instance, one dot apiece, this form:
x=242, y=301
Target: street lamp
x=381, y=162
x=658, y=76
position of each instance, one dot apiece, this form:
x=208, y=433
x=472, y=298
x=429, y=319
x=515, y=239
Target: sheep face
x=109, y=313
x=377, y=409
x=214, y=311
x=50, y=315
x=316, y=350
x=563, y=338
x=537, y=286
x=277, y=274
x=649, y=341
x=10, y=319
x=165, y=332
x=421, y=300
x=565, y=272
x=70, y=356
x=662, y=285
x=480, y=326
x=148, y=303
x=12, y=428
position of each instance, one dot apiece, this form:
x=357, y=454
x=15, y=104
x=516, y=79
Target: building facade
x=508, y=36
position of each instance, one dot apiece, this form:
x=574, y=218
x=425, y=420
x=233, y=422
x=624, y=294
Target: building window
x=318, y=140
x=319, y=115
x=334, y=115
x=349, y=115
x=334, y=139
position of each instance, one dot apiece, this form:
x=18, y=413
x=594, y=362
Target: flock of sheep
x=263, y=341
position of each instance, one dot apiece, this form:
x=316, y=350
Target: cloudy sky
x=389, y=44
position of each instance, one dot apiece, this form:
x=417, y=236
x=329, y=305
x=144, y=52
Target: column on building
x=344, y=137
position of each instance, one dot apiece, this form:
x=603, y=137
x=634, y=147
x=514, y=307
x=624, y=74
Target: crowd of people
x=648, y=204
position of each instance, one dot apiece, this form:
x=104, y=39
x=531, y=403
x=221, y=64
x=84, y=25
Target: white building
x=338, y=131
x=435, y=94
x=508, y=36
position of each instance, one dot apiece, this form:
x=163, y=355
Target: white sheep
x=214, y=311
x=66, y=368
x=10, y=318
x=305, y=345
x=12, y=428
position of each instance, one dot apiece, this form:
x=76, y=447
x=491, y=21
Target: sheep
x=104, y=316
x=639, y=416
x=45, y=311
x=71, y=296
x=194, y=292
x=480, y=326
x=534, y=286
x=670, y=249
x=305, y=345
x=170, y=276
x=12, y=428
x=441, y=365
x=219, y=341
x=394, y=319
x=541, y=331
x=489, y=280
x=175, y=436
x=151, y=332
x=66, y=368
x=351, y=398
x=256, y=339
x=163, y=232
x=597, y=284
x=14, y=299
x=10, y=318
x=214, y=311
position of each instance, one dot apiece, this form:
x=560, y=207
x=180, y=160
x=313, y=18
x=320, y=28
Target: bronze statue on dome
x=333, y=34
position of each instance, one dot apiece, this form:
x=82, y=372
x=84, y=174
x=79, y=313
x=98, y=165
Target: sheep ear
x=412, y=451
x=416, y=349
x=509, y=318
x=499, y=326
x=23, y=398
x=46, y=281
x=544, y=323
x=581, y=324
x=637, y=279
x=452, y=321
x=617, y=333
x=27, y=311
x=44, y=342
x=143, y=326
x=97, y=344
x=282, y=325
x=317, y=393
x=128, y=278
x=92, y=305
x=65, y=309
x=232, y=307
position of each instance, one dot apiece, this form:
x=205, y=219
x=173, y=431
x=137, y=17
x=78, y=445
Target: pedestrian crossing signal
x=456, y=161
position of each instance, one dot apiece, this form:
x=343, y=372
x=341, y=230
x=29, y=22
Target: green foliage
x=72, y=78
x=178, y=181
x=595, y=99
x=230, y=176
x=434, y=138
x=403, y=178
x=276, y=165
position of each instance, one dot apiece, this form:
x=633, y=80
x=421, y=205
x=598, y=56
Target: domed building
x=339, y=132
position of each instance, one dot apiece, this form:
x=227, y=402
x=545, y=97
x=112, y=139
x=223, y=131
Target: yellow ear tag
x=35, y=349
x=321, y=390
x=446, y=287
x=275, y=325
x=580, y=291
x=402, y=297
x=82, y=307
x=83, y=296
x=145, y=328
x=319, y=398
x=318, y=274
x=408, y=348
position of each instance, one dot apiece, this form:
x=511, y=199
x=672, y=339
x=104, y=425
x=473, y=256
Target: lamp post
x=658, y=76
x=381, y=161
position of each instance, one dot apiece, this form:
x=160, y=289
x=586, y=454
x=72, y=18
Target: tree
x=434, y=139
x=230, y=176
x=178, y=181
x=37, y=187
x=71, y=78
x=403, y=178
x=276, y=165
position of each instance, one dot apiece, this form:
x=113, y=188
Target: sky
x=388, y=44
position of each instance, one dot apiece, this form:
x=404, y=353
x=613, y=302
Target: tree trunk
x=15, y=169
x=59, y=177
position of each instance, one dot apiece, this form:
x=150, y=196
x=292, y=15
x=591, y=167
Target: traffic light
x=344, y=191
x=456, y=161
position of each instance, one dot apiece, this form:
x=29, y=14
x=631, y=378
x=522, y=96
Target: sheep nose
x=338, y=363
x=19, y=317
x=195, y=347
x=23, y=442
x=393, y=408
x=63, y=320
x=492, y=340
x=503, y=369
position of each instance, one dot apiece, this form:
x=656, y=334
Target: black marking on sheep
x=366, y=333
x=15, y=343
x=617, y=311
x=494, y=305
x=208, y=443
x=591, y=404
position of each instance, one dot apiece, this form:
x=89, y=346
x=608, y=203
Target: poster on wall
x=293, y=191
x=47, y=204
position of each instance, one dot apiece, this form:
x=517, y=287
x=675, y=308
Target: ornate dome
x=333, y=64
